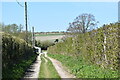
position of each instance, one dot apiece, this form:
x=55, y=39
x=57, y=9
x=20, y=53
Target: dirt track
x=33, y=71
x=60, y=69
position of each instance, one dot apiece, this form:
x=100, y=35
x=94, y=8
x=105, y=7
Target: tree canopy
x=82, y=23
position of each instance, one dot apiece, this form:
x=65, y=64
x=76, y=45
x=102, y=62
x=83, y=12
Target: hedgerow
x=99, y=47
x=17, y=56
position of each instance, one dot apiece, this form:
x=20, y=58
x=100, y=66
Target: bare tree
x=82, y=23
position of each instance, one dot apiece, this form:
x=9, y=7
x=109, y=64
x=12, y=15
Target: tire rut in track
x=47, y=69
x=63, y=73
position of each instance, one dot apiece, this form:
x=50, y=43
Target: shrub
x=17, y=56
x=44, y=44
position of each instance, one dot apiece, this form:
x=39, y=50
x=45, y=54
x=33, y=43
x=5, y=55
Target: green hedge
x=17, y=56
x=97, y=46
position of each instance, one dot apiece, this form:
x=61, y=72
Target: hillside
x=48, y=36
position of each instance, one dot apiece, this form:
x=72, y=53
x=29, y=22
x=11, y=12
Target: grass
x=81, y=69
x=17, y=71
x=47, y=69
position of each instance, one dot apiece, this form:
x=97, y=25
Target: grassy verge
x=17, y=71
x=47, y=69
x=81, y=69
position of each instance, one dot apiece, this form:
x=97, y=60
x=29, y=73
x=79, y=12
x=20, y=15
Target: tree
x=11, y=28
x=20, y=28
x=16, y=30
x=0, y=27
x=82, y=23
x=56, y=40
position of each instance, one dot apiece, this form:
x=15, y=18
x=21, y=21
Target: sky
x=56, y=16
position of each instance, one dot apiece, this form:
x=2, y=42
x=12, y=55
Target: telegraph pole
x=33, y=37
x=26, y=21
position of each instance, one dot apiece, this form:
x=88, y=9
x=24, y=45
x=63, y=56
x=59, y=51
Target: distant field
x=49, y=37
x=50, y=34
